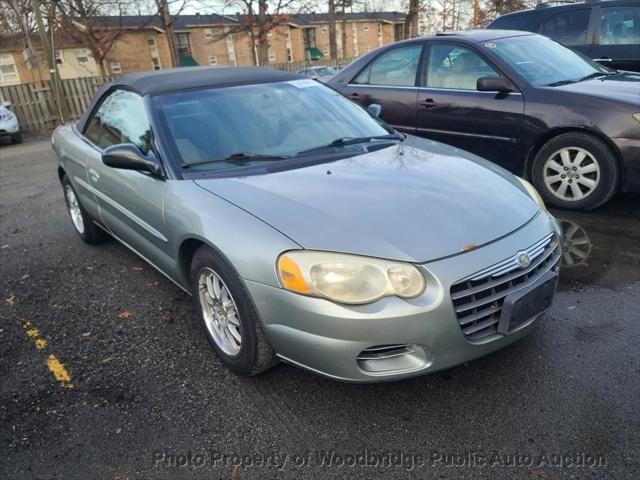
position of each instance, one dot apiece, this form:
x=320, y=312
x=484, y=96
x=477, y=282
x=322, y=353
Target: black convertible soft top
x=161, y=81
x=186, y=78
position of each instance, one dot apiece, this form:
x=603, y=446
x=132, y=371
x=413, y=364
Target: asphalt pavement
x=105, y=373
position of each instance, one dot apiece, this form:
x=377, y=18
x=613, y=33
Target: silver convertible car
x=305, y=228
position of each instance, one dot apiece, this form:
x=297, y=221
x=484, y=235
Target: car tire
x=17, y=138
x=575, y=171
x=226, y=314
x=83, y=223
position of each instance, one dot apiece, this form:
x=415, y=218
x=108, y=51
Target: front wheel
x=228, y=315
x=82, y=221
x=575, y=171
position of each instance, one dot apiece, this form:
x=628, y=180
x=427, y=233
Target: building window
x=59, y=58
x=207, y=33
x=115, y=68
x=309, y=37
x=272, y=56
x=155, y=61
x=182, y=45
x=289, y=55
x=153, y=47
x=213, y=60
x=82, y=56
x=8, y=72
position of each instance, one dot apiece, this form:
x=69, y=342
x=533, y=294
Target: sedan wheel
x=220, y=312
x=571, y=173
x=74, y=209
x=576, y=171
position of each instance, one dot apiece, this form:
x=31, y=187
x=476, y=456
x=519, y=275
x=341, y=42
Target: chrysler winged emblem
x=523, y=259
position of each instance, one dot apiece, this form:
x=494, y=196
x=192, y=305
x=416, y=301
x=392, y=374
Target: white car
x=9, y=126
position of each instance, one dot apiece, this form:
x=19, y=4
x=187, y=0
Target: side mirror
x=6, y=104
x=493, y=84
x=375, y=109
x=129, y=157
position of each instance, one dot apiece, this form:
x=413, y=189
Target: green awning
x=188, y=62
x=314, y=53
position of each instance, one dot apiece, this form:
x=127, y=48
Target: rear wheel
x=227, y=314
x=82, y=222
x=575, y=171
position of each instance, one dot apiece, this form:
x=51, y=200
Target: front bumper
x=327, y=338
x=630, y=151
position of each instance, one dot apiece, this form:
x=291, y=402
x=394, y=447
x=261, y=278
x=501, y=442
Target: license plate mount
x=523, y=305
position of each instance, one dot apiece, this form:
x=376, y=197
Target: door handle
x=93, y=175
x=602, y=60
x=428, y=103
x=354, y=96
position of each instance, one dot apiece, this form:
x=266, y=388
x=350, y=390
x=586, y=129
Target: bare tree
x=16, y=16
x=164, y=9
x=258, y=18
x=411, y=21
x=496, y=8
x=94, y=24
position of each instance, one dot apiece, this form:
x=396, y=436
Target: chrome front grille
x=478, y=299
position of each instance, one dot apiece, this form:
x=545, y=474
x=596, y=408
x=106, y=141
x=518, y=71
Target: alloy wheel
x=571, y=174
x=74, y=209
x=220, y=312
x=576, y=244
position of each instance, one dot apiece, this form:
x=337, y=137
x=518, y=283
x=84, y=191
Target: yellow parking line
x=54, y=365
x=58, y=370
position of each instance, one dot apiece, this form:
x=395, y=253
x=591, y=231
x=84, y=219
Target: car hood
x=400, y=202
x=624, y=87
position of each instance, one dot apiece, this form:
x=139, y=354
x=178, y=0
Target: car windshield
x=215, y=128
x=544, y=62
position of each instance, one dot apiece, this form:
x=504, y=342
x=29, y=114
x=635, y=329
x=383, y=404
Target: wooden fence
x=295, y=66
x=37, y=111
x=35, y=106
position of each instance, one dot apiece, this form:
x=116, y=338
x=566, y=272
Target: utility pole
x=51, y=61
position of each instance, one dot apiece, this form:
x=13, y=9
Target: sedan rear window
x=269, y=119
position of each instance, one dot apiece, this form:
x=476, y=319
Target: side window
x=457, y=68
x=397, y=67
x=568, y=28
x=620, y=26
x=121, y=118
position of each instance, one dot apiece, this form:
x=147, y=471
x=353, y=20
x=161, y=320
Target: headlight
x=533, y=193
x=637, y=116
x=347, y=278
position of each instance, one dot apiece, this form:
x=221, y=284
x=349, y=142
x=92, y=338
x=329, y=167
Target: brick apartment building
x=141, y=44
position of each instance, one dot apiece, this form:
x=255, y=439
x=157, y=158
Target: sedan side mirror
x=493, y=84
x=129, y=157
x=7, y=104
x=375, y=109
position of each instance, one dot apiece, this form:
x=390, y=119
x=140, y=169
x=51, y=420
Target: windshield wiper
x=595, y=75
x=239, y=157
x=344, y=141
x=586, y=77
x=559, y=83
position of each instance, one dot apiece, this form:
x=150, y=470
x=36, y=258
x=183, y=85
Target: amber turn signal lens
x=290, y=275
